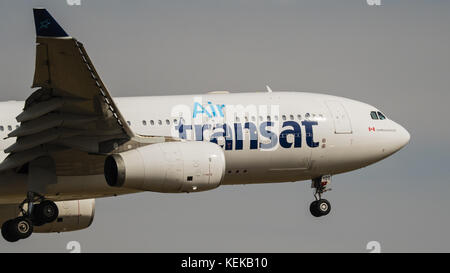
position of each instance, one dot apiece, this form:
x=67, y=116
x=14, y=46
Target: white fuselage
x=267, y=137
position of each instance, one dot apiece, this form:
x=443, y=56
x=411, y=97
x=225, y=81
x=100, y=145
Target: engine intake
x=168, y=167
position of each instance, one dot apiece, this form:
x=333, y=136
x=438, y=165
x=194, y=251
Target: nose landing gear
x=320, y=207
x=39, y=214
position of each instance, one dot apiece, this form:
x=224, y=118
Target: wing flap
x=49, y=121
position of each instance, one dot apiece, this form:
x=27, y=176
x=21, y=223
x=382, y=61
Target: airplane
x=71, y=142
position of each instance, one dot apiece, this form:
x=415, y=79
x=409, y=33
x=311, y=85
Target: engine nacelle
x=168, y=167
x=73, y=215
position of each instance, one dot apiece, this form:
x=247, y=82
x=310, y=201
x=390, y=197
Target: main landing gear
x=45, y=211
x=320, y=207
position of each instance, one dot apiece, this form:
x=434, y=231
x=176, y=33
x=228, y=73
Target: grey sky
x=396, y=57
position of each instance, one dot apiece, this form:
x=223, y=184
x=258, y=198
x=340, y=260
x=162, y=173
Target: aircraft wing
x=71, y=117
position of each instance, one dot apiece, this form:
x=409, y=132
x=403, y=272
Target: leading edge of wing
x=46, y=25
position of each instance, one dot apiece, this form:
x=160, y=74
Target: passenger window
x=374, y=115
x=284, y=117
x=381, y=116
x=9, y=127
x=299, y=117
x=167, y=122
x=144, y=122
x=1, y=128
x=159, y=122
x=292, y=117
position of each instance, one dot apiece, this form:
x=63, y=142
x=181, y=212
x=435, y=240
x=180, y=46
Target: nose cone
x=395, y=141
x=392, y=140
x=403, y=137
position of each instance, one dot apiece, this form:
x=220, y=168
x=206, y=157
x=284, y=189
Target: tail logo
x=44, y=24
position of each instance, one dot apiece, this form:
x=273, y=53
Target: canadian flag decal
x=371, y=129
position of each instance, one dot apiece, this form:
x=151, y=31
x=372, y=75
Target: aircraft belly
x=259, y=166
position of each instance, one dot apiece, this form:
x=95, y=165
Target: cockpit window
x=381, y=116
x=374, y=115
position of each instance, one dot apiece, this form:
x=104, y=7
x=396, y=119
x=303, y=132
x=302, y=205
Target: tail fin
x=46, y=25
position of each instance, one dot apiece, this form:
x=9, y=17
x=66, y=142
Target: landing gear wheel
x=21, y=227
x=35, y=215
x=323, y=207
x=7, y=235
x=313, y=209
x=320, y=207
x=16, y=229
x=45, y=212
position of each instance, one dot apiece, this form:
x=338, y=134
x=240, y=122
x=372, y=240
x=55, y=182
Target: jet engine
x=169, y=167
x=73, y=215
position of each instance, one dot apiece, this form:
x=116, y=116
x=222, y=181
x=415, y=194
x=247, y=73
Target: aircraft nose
x=396, y=141
x=403, y=137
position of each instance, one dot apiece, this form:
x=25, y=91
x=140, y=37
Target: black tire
x=35, y=216
x=313, y=209
x=323, y=207
x=46, y=212
x=21, y=228
x=7, y=235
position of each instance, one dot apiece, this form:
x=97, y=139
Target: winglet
x=46, y=25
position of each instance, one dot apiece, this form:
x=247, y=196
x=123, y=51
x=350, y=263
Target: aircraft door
x=341, y=119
